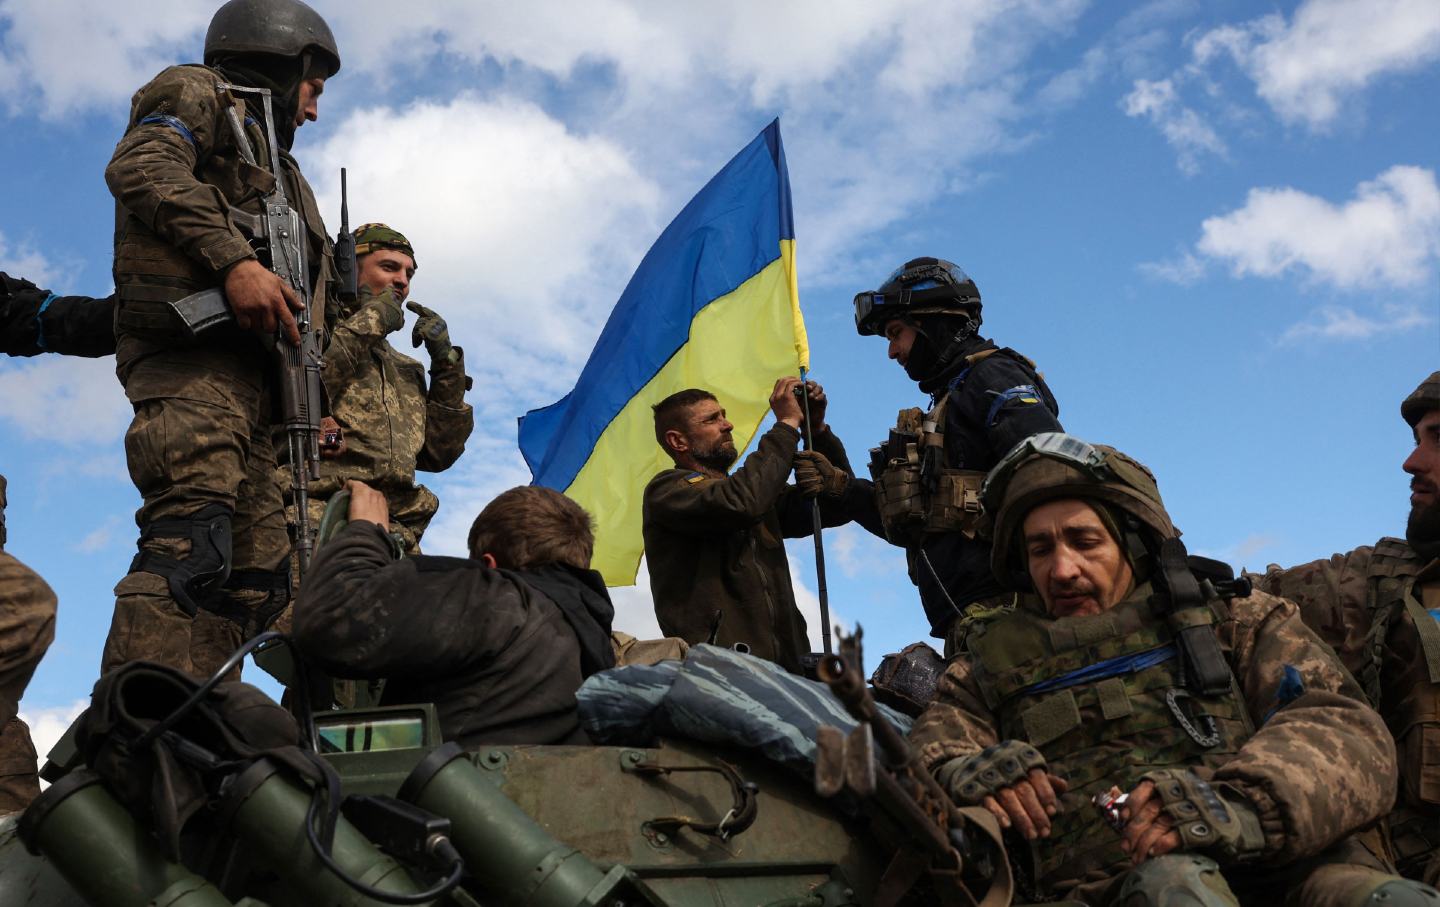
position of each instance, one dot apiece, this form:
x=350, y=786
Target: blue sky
x=1215, y=226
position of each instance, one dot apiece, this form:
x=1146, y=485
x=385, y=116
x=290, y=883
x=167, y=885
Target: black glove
x=971, y=779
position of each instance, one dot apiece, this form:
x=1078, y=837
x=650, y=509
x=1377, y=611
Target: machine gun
x=876, y=765
x=279, y=241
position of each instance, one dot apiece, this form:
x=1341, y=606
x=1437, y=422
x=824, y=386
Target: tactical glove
x=383, y=304
x=815, y=475
x=431, y=330
x=971, y=779
x=1226, y=828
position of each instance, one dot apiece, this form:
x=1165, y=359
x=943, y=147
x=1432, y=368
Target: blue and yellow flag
x=715, y=305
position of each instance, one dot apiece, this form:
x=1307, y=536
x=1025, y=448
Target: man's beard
x=1422, y=530
x=720, y=457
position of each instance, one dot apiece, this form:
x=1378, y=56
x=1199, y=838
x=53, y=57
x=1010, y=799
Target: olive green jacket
x=718, y=545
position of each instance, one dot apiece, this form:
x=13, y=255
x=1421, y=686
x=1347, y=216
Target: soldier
x=1377, y=607
x=27, y=626
x=499, y=642
x=393, y=423
x=1247, y=752
x=213, y=561
x=984, y=400
x=35, y=321
x=715, y=542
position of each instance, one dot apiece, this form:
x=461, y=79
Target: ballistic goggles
x=1057, y=445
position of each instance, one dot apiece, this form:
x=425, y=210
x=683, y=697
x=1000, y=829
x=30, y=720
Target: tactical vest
x=1103, y=698
x=1415, y=832
x=915, y=491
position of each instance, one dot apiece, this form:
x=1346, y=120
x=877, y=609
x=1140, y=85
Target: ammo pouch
x=914, y=491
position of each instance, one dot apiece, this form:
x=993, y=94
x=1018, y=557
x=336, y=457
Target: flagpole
x=823, y=592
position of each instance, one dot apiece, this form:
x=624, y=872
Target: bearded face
x=1422, y=530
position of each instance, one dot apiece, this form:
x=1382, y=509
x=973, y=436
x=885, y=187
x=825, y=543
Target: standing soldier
x=190, y=179
x=1379, y=607
x=983, y=401
x=393, y=423
x=27, y=625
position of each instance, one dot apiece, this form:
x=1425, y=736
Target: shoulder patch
x=694, y=477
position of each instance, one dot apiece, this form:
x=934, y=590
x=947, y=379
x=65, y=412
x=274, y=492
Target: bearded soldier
x=191, y=179
x=983, y=400
x=1243, y=755
x=393, y=423
x=1379, y=607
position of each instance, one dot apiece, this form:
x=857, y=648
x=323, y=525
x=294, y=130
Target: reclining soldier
x=499, y=642
x=1244, y=756
x=1375, y=606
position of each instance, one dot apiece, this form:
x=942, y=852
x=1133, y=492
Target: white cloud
x=102, y=536
x=26, y=262
x=1341, y=323
x=1186, y=131
x=73, y=401
x=808, y=601
x=1331, y=50
x=57, y=58
x=1387, y=235
x=48, y=724
x=1185, y=269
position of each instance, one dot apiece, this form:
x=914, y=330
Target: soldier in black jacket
x=35, y=321
x=499, y=642
x=983, y=401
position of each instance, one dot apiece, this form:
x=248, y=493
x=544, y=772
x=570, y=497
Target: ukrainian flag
x=715, y=305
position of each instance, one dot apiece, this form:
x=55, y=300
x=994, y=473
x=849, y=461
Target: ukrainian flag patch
x=694, y=477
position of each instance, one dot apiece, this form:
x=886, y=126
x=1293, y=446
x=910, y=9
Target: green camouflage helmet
x=1425, y=398
x=1054, y=465
x=373, y=237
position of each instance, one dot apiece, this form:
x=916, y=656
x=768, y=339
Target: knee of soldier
x=1176, y=880
x=1397, y=892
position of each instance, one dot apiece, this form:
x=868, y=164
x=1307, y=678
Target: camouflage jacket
x=394, y=423
x=187, y=203
x=719, y=545
x=1377, y=607
x=1298, y=741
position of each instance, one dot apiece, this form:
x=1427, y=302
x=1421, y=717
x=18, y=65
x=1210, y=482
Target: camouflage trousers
x=27, y=626
x=1347, y=875
x=201, y=436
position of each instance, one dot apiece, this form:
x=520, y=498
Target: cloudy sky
x=1215, y=226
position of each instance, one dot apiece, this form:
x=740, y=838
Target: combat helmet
x=1425, y=398
x=285, y=28
x=921, y=286
x=1054, y=465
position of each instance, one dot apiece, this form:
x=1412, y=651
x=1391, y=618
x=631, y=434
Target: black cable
x=444, y=887
x=169, y=721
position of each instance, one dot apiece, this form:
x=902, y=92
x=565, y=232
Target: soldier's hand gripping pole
x=821, y=591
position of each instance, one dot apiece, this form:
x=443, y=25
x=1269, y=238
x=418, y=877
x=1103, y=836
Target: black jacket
x=500, y=653
x=33, y=321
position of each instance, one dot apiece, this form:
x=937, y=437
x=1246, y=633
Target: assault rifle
x=279, y=241
x=877, y=766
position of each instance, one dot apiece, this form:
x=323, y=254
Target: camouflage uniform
x=27, y=626
x=393, y=422
x=1378, y=608
x=200, y=445
x=1292, y=747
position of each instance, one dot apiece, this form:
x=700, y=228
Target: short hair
x=531, y=526
x=672, y=413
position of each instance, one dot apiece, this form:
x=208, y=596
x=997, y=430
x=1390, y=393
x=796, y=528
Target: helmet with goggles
x=1054, y=465
x=921, y=286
